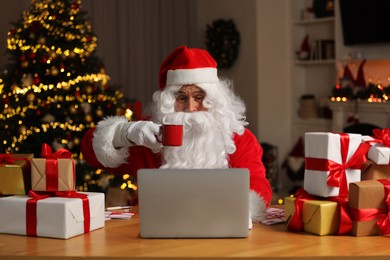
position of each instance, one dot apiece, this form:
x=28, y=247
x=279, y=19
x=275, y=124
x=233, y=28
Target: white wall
x=244, y=70
x=261, y=73
x=274, y=95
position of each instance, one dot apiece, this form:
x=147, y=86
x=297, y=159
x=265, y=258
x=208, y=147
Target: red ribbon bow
x=6, y=159
x=47, y=153
x=383, y=215
x=382, y=136
x=301, y=196
x=337, y=175
x=31, y=208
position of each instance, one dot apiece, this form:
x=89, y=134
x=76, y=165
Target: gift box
x=320, y=217
x=373, y=171
x=367, y=205
x=53, y=174
x=379, y=154
x=332, y=161
x=55, y=217
x=380, y=150
x=15, y=174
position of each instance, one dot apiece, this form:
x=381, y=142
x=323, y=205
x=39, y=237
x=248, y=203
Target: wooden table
x=119, y=239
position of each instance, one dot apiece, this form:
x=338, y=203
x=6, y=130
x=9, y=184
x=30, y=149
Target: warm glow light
x=128, y=114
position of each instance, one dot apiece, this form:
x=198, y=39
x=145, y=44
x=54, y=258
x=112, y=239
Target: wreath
x=222, y=41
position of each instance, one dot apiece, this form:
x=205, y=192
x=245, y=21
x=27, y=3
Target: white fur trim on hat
x=192, y=76
x=102, y=145
x=257, y=206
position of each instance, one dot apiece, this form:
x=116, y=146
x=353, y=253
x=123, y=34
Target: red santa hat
x=186, y=66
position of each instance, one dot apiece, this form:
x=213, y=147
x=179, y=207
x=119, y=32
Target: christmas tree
x=54, y=87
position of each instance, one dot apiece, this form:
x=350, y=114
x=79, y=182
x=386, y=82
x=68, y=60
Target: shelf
x=315, y=21
x=314, y=62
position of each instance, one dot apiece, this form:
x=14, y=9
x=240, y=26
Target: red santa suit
x=237, y=147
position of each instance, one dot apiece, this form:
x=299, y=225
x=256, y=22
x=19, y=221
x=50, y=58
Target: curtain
x=134, y=36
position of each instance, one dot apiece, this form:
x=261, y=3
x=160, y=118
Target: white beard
x=205, y=143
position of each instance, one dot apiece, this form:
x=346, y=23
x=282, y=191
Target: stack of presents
x=38, y=197
x=346, y=187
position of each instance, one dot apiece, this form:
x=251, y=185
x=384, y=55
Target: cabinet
x=317, y=74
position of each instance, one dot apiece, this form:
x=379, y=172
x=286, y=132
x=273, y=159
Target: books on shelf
x=323, y=49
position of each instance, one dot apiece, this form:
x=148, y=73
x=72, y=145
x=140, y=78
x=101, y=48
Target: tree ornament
x=86, y=107
x=222, y=41
x=22, y=129
x=27, y=80
x=24, y=64
x=76, y=141
x=99, y=112
x=32, y=55
x=43, y=59
x=5, y=100
x=30, y=97
x=36, y=80
x=88, y=118
x=42, y=40
x=72, y=109
x=88, y=89
x=54, y=71
x=48, y=118
x=53, y=54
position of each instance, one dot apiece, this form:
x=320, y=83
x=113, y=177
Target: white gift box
x=324, y=145
x=378, y=153
x=57, y=217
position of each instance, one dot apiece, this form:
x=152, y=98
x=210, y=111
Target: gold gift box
x=319, y=217
x=66, y=175
x=15, y=179
x=367, y=194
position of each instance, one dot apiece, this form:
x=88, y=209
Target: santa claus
x=215, y=136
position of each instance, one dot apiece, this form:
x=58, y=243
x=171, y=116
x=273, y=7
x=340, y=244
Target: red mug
x=172, y=135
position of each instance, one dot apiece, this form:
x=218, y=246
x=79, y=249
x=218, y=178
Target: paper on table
x=117, y=215
x=273, y=216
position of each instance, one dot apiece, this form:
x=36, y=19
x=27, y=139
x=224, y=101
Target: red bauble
x=36, y=80
x=5, y=100
x=32, y=55
x=44, y=59
x=74, y=6
x=38, y=112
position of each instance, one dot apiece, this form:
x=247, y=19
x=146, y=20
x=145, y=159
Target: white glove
x=137, y=133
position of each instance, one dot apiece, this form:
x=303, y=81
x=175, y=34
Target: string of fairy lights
x=377, y=93
x=39, y=18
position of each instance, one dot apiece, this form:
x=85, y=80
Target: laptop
x=193, y=203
